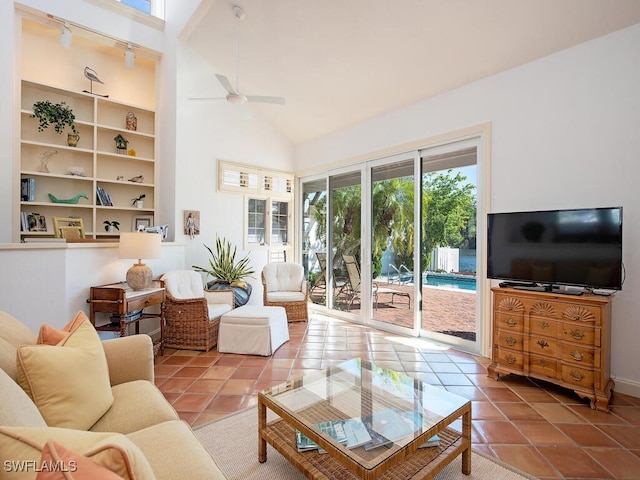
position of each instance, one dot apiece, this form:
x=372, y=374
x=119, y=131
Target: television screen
x=580, y=247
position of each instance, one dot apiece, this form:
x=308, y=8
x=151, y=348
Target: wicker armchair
x=192, y=314
x=286, y=286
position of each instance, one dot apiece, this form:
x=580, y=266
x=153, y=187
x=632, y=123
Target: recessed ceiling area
x=338, y=63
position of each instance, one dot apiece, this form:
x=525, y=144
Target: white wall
x=211, y=130
x=564, y=134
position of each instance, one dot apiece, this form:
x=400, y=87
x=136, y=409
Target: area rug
x=233, y=442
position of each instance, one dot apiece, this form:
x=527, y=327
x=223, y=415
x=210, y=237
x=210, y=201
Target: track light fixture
x=129, y=57
x=65, y=35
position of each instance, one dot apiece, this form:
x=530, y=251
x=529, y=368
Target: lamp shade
x=140, y=245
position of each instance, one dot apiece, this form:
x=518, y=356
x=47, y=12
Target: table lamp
x=139, y=245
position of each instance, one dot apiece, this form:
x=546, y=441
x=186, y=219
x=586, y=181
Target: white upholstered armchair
x=286, y=286
x=192, y=314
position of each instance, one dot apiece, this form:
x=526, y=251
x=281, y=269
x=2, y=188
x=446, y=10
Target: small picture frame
x=141, y=222
x=192, y=222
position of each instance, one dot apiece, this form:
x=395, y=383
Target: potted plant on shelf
x=59, y=115
x=110, y=225
x=227, y=272
x=138, y=201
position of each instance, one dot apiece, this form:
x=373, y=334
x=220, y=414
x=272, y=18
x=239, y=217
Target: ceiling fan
x=234, y=96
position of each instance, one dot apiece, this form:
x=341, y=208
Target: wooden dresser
x=563, y=339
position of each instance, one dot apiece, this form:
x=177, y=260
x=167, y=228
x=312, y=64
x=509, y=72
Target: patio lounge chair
x=353, y=271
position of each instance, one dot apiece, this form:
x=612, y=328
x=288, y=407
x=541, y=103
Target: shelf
x=98, y=121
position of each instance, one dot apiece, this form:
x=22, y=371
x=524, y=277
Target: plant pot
x=73, y=139
x=139, y=203
x=110, y=229
x=241, y=295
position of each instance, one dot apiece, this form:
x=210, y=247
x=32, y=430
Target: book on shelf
x=28, y=189
x=356, y=431
x=103, y=197
x=332, y=428
x=432, y=442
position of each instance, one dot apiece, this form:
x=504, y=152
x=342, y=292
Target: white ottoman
x=253, y=330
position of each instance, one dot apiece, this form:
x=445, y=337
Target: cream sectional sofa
x=143, y=428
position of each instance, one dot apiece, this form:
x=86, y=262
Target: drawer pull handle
x=543, y=363
x=511, y=322
x=542, y=344
x=510, y=341
x=543, y=325
x=510, y=359
x=577, y=376
x=147, y=302
x=577, y=334
x=576, y=355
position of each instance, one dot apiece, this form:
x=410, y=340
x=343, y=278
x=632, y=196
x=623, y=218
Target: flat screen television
x=578, y=247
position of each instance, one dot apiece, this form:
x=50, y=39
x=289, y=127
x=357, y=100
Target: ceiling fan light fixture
x=236, y=99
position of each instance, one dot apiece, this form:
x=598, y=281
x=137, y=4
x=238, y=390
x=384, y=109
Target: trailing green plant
x=59, y=115
x=223, y=265
x=111, y=223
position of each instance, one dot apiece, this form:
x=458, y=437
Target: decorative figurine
x=44, y=160
x=73, y=200
x=137, y=179
x=121, y=144
x=132, y=122
x=92, y=76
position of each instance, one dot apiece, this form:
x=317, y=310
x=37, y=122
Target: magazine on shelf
x=333, y=428
x=356, y=431
x=432, y=442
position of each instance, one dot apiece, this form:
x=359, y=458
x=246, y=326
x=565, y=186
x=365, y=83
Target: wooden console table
x=120, y=299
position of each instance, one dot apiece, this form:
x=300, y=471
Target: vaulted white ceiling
x=339, y=62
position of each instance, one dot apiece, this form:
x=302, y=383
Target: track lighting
x=129, y=57
x=66, y=35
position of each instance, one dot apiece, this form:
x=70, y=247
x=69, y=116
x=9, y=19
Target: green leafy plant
x=111, y=223
x=223, y=265
x=137, y=199
x=59, y=115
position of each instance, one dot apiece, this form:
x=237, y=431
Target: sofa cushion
x=165, y=442
x=69, y=382
x=59, y=463
x=12, y=334
x=111, y=450
x=16, y=408
x=49, y=335
x=124, y=419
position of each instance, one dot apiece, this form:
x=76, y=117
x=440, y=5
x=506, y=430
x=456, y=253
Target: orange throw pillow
x=58, y=463
x=49, y=335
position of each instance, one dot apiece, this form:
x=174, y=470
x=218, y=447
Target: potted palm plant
x=58, y=115
x=227, y=272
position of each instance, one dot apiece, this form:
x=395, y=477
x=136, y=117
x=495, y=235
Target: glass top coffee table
x=398, y=412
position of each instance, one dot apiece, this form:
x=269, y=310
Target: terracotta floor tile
x=193, y=372
x=281, y=374
x=204, y=385
x=163, y=370
x=499, y=432
x=627, y=436
x=237, y=387
x=453, y=379
x=524, y=458
x=555, y=412
x=176, y=385
x=218, y=372
x=543, y=433
x=202, y=361
x=629, y=413
x=518, y=411
x=498, y=394
x=534, y=395
x=468, y=392
x=622, y=464
x=442, y=367
x=596, y=417
x=247, y=372
x=226, y=403
x=486, y=411
x=574, y=462
x=586, y=435
x=192, y=402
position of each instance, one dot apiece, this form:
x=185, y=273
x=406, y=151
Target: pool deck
x=445, y=310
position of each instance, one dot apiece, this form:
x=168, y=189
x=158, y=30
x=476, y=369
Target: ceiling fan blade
x=224, y=81
x=263, y=99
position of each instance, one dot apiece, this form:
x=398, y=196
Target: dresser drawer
x=509, y=340
x=582, y=377
x=542, y=366
x=509, y=321
x=154, y=298
x=578, y=333
x=578, y=354
x=509, y=358
x=543, y=326
x=543, y=345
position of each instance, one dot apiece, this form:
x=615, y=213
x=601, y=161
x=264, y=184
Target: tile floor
x=537, y=427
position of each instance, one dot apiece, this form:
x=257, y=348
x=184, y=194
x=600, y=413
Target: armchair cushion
x=129, y=358
x=16, y=408
x=68, y=382
x=112, y=450
x=13, y=333
x=287, y=277
x=182, y=284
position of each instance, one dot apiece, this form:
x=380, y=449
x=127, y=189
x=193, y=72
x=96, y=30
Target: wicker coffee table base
x=425, y=463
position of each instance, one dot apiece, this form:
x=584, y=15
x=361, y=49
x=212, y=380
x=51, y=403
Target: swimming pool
x=461, y=282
